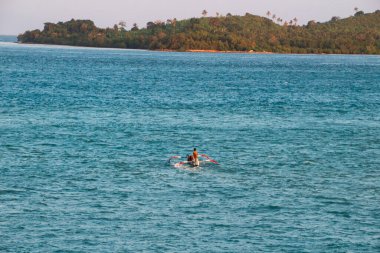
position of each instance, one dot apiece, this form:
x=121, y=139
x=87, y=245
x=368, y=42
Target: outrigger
x=203, y=159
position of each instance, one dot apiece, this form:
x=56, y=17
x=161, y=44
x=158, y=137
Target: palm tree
x=356, y=9
x=268, y=14
x=122, y=24
x=174, y=23
x=274, y=16
x=135, y=27
x=295, y=21
x=204, y=13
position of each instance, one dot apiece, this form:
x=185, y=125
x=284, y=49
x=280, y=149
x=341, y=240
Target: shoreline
x=227, y=52
x=212, y=51
x=152, y=50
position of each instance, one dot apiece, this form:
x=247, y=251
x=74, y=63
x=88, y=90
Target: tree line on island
x=358, y=34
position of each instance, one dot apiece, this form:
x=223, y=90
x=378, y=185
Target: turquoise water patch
x=85, y=135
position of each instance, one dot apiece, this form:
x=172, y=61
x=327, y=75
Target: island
x=357, y=34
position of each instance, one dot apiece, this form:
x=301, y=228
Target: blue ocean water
x=8, y=38
x=85, y=135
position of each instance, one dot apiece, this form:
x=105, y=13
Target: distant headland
x=358, y=34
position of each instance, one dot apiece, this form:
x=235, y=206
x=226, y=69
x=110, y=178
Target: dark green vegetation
x=359, y=34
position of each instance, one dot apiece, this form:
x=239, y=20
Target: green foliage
x=359, y=13
x=359, y=34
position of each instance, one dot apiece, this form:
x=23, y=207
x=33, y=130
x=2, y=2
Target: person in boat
x=195, y=157
x=189, y=158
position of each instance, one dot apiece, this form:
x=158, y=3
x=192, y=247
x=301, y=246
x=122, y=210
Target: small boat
x=203, y=160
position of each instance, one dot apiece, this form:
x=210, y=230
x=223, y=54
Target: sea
x=86, y=134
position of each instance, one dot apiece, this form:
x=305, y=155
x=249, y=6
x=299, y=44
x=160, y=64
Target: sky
x=17, y=16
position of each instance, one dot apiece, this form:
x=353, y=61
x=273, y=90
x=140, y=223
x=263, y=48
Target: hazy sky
x=17, y=16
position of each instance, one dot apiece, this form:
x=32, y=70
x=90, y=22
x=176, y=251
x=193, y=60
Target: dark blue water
x=85, y=135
